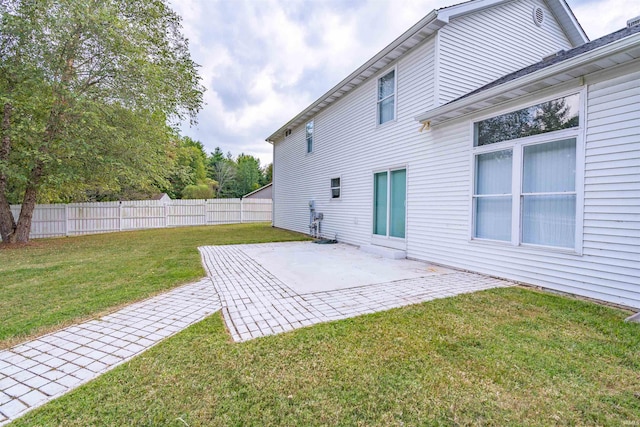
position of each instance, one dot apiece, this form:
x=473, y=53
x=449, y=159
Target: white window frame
x=331, y=188
x=306, y=137
x=517, y=147
x=388, y=237
x=394, y=69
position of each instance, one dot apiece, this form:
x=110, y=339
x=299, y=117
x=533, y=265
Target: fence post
x=166, y=215
x=66, y=220
x=120, y=216
x=241, y=210
x=204, y=216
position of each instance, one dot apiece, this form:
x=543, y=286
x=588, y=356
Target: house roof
x=415, y=35
x=614, y=49
x=258, y=190
x=159, y=196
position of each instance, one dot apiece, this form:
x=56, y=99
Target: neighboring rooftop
x=263, y=192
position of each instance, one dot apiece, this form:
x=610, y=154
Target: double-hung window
x=387, y=97
x=525, y=175
x=309, y=136
x=335, y=188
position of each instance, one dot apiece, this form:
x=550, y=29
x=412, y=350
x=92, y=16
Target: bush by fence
x=104, y=217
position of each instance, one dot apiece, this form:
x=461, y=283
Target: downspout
x=273, y=183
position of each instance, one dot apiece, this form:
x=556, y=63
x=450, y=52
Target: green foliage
x=189, y=160
x=223, y=170
x=249, y=175
x=91, y=86
x=268, y=174
x=237, y=177
x=200, y=191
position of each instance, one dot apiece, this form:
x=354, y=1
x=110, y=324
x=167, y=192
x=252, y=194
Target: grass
x=502, y=357
x=51, y=283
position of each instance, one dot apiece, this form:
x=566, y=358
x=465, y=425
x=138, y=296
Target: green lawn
x=54, y=282
x=500, y=357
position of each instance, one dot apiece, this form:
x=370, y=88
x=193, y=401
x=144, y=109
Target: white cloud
x=599, y=18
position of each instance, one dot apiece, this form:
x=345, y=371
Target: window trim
x=393, y=69
x=331, y=188
x=306, y=138
x=517, y=145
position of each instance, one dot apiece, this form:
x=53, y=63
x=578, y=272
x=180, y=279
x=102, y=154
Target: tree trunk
x=7, y=222
x=23, y=228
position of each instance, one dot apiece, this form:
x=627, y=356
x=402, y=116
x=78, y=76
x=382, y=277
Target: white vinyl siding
x=609, y=266
x=497, y=41
x=606, y=264
x=350, y=145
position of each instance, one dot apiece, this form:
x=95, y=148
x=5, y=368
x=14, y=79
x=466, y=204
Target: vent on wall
x=538, y=15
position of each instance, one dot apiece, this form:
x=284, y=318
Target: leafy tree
x=553, y=115
x=223, y=170
x=81, y=81
x=249, y=175
x=189, y=159
x=200, y=191
x=267, y=174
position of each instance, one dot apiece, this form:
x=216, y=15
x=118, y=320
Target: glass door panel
x=398, y=199
x=380, y=204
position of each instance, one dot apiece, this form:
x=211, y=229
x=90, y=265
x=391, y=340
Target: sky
x=264, y=61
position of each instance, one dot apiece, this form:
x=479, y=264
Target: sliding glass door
x=389, y=203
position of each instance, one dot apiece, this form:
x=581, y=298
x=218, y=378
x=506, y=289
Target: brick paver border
x=35, y=372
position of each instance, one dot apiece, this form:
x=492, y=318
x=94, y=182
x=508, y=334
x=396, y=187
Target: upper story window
x=387, y=97
x=525, y=185
x=309, y=136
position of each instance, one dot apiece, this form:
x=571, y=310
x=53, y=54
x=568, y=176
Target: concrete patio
x=270, y=288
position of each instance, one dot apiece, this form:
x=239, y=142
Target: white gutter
x=563, y=66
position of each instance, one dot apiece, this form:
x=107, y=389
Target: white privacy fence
x=103, y=217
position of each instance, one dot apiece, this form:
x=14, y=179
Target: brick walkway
x=255, y=303
x=38, y=371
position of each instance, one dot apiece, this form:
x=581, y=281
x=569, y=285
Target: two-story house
x=470, y=141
